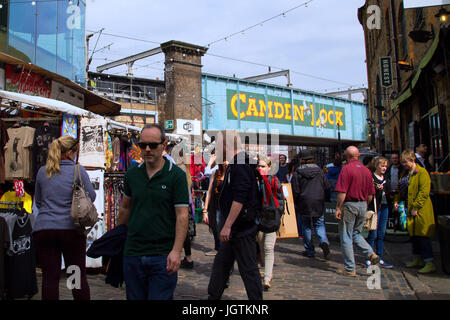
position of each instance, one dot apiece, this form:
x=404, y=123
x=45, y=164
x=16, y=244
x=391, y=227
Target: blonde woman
x=414, y=185
x=54, y=230
x=267, y=240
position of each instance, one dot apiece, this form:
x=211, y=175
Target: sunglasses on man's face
x=151, y=145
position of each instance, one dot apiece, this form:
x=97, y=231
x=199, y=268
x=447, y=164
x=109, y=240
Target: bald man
x=355, y=190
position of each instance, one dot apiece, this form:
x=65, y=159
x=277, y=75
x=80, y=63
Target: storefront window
x=46, y=35
x=22, y=30
x=50, y=34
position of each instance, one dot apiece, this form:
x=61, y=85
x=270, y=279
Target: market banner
x=92, y=142
x=253, y=107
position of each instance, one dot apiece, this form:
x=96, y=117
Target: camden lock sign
x=386, y=71
x=253, y=107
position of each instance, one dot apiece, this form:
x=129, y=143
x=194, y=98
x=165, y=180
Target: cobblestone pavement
x=295, y=277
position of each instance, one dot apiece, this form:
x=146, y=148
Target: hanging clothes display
x=10, y=196
x=18, y=153
x=4, y=243
x=3, y=141
x=19, y=258
x=113, y=186
x=108, y=152
x=92, y=143
x=43, y=138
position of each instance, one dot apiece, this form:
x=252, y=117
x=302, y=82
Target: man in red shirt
x=355, y=190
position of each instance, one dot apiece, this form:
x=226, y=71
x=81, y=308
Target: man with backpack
x=239, y=207
x=311, y=188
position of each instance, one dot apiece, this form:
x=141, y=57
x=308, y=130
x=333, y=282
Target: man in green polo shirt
x=155, y=208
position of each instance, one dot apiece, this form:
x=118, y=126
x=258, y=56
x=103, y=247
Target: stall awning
x=425, y=60
x=60, y=106
x=92, y=101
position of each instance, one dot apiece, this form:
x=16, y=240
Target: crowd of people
x=157, y=212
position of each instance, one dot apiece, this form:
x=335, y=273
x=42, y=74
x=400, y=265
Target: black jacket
x=387, y=175
x=111, y=246
x=379, y=193
x=240, y=185
x=311, y=190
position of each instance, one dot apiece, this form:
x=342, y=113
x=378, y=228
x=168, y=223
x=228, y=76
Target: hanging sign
x=69, y=126
x=23, y=81
x=386, y=72
x=189, y=127
x=19, y=188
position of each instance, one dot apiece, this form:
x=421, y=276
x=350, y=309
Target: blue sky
x=321, y=41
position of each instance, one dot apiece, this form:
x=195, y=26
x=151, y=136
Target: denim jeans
x=319, y=226
x=146, y=278
x=350, y=227
x=376, y=237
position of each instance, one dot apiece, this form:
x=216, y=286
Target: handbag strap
x=77, y=172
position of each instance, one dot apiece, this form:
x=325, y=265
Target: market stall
x=29, y=124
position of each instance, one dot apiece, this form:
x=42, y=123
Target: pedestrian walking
x=155, y=208
x=283, y=168
x=422, y=158
x=266, y=238
x=382, y=191
x=311, y=190
x=238, y=202
x=416, y=184
x=332, y=176
x=355, y=190
x=54, y=230
x=393, y=173
x=211, y=210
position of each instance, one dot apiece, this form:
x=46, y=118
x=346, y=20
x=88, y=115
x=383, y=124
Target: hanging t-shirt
x=4, y=243
x=21, y=264
x=10, y=196
x=3, y=141
x=92, y=143
x=43, y=138
x=18, y=153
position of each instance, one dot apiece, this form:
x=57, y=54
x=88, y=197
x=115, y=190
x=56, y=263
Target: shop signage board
x=236, y=104
x=288, y=228
x=26, y=82
x=386, y=71
x=189, y=127
x=168, y=125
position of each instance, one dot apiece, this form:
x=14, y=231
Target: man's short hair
x=159, y=127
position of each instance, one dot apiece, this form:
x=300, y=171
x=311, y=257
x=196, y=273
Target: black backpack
x=272, y=203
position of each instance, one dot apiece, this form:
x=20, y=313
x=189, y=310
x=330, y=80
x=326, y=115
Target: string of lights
x=283, y=14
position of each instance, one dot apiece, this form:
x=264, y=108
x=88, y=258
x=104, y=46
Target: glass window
x=22, y=30
x=46, y=35
x=4, y=27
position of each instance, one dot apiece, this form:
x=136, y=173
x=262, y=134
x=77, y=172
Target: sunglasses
x=151, y=145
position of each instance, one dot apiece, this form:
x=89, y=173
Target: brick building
x=409, y=102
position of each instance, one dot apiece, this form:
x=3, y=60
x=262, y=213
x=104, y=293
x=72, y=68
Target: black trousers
x=242, y=250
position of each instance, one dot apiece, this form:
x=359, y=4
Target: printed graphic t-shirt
x=18, y=153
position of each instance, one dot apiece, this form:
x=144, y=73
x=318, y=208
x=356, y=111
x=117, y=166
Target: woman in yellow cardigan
x=420, y=215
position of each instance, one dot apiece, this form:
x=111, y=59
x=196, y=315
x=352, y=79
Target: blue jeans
x=376, y=237
x=319, y=226
x=299, y=224
x=350, y=227
x=422, y=247
x=146, y=278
